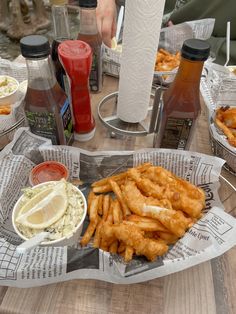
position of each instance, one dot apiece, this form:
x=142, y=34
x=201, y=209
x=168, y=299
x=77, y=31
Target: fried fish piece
x=173, y=220
x=183, y=195
x=226, y=121
x=134, y=238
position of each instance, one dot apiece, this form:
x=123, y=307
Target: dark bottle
x=88, y=33
x=181, y=101
x=46, y=105
x=61, y=33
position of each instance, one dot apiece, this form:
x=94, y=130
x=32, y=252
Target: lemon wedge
x=119, y=48
x=113, y=43
x=45, y=208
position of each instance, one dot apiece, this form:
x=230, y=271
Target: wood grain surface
x=209, y=288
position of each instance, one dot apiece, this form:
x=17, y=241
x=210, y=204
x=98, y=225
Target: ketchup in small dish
x=48, y=171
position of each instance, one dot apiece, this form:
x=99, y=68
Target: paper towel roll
x=140, y=41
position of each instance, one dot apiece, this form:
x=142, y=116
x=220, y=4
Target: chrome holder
x=107, y=113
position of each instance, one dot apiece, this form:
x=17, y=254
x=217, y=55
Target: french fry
x=230, y=136
x=102, y=188
x=91, y=196
x=110, y=212
x=105, y=181
x=100, y=204
x=97, y=236
x=113, y=247
x=116, y=189
x=93, y=214
x=129, y=251
x=88, y=233
x=116, y=212
x=106, y=205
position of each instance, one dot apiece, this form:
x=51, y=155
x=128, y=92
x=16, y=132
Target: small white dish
x=64, y=241
x=9, y=97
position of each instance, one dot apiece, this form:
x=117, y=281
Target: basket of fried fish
x=141, y=211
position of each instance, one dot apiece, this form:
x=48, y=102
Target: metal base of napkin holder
x=107, y=113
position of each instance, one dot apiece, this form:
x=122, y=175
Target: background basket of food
x=219, y=93
x=13, y=86
x=168, y=54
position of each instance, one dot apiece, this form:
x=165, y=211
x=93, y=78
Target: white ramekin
x=65, y=241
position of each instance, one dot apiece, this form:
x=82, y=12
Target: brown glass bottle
x=88, y=33
x=46, y=105
x=181, y=101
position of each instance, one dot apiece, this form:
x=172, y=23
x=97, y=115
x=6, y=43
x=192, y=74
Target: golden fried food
x=226, y=121
x=133, y=237
x=183, y=195
x=150, y=209
x=5, y=109
x=166, y=61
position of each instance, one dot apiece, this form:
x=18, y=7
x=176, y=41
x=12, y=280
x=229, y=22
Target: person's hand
x=106, y=20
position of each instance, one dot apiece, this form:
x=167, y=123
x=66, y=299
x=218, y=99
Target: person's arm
x=106, y=20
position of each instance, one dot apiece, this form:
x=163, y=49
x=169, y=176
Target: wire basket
x=7, y=135
x=111, y=61
x=223, y=152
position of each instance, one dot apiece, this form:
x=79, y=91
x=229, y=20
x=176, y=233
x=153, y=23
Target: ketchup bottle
x=76, y=58
x=181, y=101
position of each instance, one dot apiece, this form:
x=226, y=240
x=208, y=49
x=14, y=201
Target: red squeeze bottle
x=76, y=58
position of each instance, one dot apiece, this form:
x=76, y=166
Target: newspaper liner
x=213, y=235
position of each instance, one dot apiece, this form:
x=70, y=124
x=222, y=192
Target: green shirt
x=222, y=11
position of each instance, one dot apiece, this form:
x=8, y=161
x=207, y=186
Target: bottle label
x=94, y=74
x=176, y=133
x=43, y=124
x=66, y=116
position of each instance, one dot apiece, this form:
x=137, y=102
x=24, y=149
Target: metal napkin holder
x=107, y=113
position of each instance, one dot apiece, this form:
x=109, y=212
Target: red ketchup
x=76, y=58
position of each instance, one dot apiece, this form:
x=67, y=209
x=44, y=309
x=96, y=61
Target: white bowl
x=10, y=98
x=65, y=241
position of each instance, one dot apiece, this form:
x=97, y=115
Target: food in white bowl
x=8, y=89
x=57, y=207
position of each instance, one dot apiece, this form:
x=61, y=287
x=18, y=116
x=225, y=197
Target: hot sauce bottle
x=46, y=105
x=181, y=101
x=88, y=33
x=76, y=58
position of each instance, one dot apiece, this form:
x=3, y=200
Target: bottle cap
x=58, y=2
x=34, y=46
x=195, y=49
x=74, y=50
x=88, y=3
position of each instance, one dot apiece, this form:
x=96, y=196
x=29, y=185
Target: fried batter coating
x=226, y=121
x=227, y=115
x=136, y=200
x=173, y=220
x=183, y=195
x=133, y=237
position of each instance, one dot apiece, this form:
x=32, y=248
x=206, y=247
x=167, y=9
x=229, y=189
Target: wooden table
x=208, y=288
